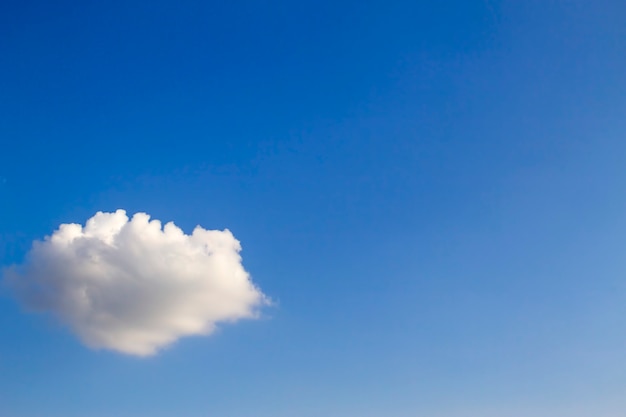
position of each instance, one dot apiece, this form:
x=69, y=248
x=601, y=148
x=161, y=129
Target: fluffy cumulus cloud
x=135, y=286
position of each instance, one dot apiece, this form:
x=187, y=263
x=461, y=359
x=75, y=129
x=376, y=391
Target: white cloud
x=133, y=286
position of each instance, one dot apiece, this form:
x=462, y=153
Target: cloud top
x=134, y=286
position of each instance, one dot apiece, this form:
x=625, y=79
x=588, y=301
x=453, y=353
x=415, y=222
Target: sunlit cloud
x=133, y=286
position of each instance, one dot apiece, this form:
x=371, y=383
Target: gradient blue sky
x=433, y=192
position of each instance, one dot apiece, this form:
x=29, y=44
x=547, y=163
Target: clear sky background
x=433, y=194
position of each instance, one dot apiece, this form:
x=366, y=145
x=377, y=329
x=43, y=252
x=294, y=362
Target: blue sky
x=431, y=193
